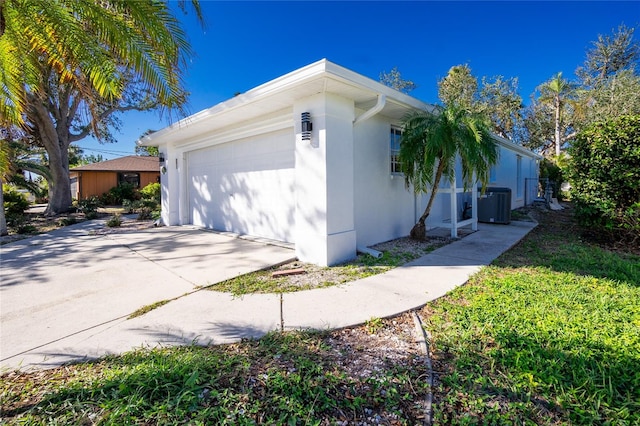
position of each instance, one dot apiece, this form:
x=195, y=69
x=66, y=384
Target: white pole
x=454, y=206
x=474, y=204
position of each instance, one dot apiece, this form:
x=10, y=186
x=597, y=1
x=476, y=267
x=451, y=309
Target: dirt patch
x=309, y=276
x=35, y=223
x=128, y=225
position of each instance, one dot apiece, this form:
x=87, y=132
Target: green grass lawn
x=283, y=378
x=549, y=334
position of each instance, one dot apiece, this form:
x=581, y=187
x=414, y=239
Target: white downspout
x=375, y=253
x=382, y=100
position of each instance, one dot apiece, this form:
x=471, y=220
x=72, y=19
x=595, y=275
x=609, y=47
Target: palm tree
x=14, y=159
x=4, y=169
x=430, y=145
x=84, y=41
x=76, y=58
x=557, y=92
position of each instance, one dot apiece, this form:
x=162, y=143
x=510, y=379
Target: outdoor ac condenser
x=494, y=206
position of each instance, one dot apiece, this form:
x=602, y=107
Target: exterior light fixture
x=161, y=158
x=307, y=126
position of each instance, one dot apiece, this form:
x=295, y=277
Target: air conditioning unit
x=494, y=206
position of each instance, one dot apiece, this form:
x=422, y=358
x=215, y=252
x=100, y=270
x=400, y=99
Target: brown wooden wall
x=148, y=177
x=96, y=183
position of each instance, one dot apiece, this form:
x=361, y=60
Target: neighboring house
x=98, y=178
x=310, y=158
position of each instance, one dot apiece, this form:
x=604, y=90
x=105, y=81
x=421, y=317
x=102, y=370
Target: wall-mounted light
x=307, y=126
x=161, y=158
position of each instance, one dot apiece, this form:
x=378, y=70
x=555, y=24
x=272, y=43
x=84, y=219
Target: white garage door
x=245, y=186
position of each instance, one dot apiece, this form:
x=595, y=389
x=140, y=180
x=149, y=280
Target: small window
x=131, y=178
x=396, y=135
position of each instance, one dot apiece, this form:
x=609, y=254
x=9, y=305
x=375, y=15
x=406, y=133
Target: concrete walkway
x=170, y=262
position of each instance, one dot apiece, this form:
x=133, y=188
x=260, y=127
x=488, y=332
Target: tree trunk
x=54, y=135
x=3, y=220
x=557, y=129
x=419, y=230
x=60, y=184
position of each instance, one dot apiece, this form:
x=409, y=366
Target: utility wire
x=106, y=151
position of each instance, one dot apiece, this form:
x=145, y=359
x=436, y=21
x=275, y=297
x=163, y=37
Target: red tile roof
x=131, y=163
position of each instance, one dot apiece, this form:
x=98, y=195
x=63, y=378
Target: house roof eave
x=509, y=144
x=278, y=94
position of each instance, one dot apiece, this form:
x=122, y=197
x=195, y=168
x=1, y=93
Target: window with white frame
x=394, y=150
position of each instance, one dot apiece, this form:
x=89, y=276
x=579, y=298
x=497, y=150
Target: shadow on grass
x=283, y=378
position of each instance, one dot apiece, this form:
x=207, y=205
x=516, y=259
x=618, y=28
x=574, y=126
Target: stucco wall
x=506, y=175
x=324, y=217
x=384, y=208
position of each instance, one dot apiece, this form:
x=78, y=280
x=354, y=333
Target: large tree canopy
x=496, y=97
x=609, y=78
x=609, y=55
x=394, y=79
x=459, y=88
x=608, y=86
x=67, y=66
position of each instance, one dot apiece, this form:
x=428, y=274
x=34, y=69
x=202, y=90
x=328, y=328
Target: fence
x=538, y=189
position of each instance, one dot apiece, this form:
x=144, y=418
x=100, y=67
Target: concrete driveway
x=74, y=281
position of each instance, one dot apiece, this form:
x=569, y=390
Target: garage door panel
x=244, y=187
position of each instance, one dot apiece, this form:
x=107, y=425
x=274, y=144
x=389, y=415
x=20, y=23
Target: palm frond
x=86, y=42
x=440, y=138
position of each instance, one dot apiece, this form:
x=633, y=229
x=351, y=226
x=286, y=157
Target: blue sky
x=246, y=44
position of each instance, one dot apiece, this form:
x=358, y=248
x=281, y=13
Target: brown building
x=98, y=178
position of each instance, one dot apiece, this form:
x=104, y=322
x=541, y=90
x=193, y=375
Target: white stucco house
x=310, y=158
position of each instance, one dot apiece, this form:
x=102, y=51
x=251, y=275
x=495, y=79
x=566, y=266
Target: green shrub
x=148, y=207
x=117, y=194
x=127, y=206
x=89, y=206
x=15, y=203
x=114, y=221
x=151, y=192
x=26, y=229
x=42, y=197
x=66, y=221
x=604, y=171
x=145, y=213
